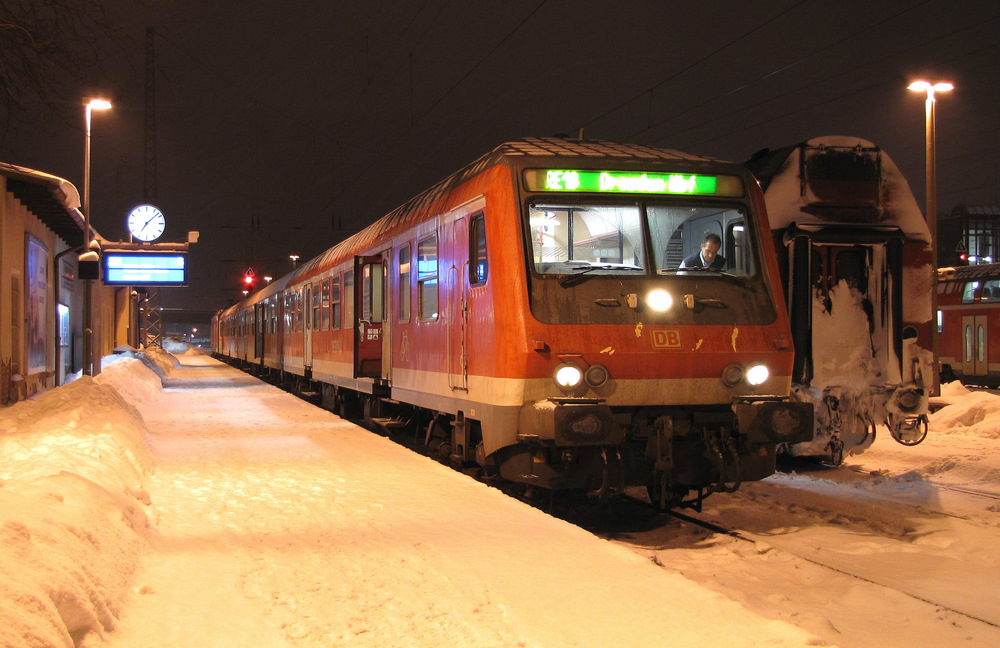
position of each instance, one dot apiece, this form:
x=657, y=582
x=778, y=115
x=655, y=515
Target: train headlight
x=596, y=375
x=568, y=375
x=659, y=300
x=757, y=375
x=732, y=375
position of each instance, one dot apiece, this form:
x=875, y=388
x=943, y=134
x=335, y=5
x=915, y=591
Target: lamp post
x=88, y=330
x=931, y=206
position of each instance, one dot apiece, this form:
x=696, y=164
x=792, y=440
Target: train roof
x=863, y=185
x=536, y=147
x=970, y=273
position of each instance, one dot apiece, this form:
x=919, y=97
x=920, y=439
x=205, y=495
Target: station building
x=41, y=292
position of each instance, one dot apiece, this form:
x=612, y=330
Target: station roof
x=55, y=201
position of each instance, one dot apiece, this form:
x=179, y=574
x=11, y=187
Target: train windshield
x=638, y=238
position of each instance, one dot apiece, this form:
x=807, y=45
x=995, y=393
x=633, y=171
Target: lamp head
x=930, y=89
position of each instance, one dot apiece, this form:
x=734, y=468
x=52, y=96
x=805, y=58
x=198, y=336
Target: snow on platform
x=232, y=514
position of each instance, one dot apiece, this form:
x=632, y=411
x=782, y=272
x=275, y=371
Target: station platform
x=278, y=523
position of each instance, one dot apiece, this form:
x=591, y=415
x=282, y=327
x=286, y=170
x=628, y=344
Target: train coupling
x=774, y=419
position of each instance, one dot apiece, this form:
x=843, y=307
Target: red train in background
x=528, y=319
x=855, y=261
x=969, y=325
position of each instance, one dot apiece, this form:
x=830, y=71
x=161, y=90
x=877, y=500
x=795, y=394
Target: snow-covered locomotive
x=529, y=318
x=855, y=261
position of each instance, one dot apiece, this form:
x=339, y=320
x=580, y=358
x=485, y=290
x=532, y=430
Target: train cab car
x=968, y=324
x=856, y=266
x=533, y=317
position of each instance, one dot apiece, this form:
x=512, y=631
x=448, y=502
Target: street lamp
x=88, y=330
x=931, y=133
x=931, y=206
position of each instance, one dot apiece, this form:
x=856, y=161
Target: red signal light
x=249, y=279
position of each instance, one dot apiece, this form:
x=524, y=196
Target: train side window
x=298, y=311
x=477, y=250
x=404, y=283
x=317, y=304
x=335, y=302
x=372, y=278
x=427, y=278
x=325, y=305
x=349, y=299
x=969, y=292
x=991, y=291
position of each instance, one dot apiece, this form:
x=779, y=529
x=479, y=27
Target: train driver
x=709, y=256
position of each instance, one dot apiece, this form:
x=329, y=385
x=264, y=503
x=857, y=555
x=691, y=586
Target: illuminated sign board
x=631, y=182
x=145, y=268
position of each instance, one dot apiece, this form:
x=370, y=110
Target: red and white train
x=969, y=324
x=529, y=317
x=855, y=261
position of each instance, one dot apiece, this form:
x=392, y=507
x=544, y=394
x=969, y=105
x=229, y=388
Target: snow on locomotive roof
x=789, y=202
x=418, y=206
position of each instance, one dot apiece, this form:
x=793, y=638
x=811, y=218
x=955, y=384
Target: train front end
x=658, y=345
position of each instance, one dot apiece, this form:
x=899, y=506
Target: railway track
x=756, y=540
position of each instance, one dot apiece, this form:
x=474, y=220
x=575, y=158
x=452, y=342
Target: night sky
x=282, y=127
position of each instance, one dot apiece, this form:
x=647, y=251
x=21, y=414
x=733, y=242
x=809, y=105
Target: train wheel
x=438, y=439
x=910, y=434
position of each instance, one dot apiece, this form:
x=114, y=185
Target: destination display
x=145, y=269
x=597, y=181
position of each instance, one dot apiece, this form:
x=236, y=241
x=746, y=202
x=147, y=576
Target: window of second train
x=427, y=278
x=969, y=292
x=477, y=250
x=991, y=291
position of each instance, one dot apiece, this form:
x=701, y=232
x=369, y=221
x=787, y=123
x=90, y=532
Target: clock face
x=146, y=222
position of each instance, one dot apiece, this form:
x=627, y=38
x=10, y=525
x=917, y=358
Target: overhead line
x=694, y=64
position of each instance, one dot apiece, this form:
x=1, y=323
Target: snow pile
x=72, y=507
x=131, y=378
x=976, y=414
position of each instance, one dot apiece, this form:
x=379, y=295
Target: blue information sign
x=145, y=268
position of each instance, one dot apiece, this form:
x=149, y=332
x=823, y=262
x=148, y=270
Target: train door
x=457, y=245
x=975, y=345
x=307, y=344
x=845, y=284
x=259, y=329
x=369, y=313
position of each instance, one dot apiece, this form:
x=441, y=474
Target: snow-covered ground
x=216, y=510
x=222, y=511
x=900, y=546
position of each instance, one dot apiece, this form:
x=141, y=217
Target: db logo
x=666, y=339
